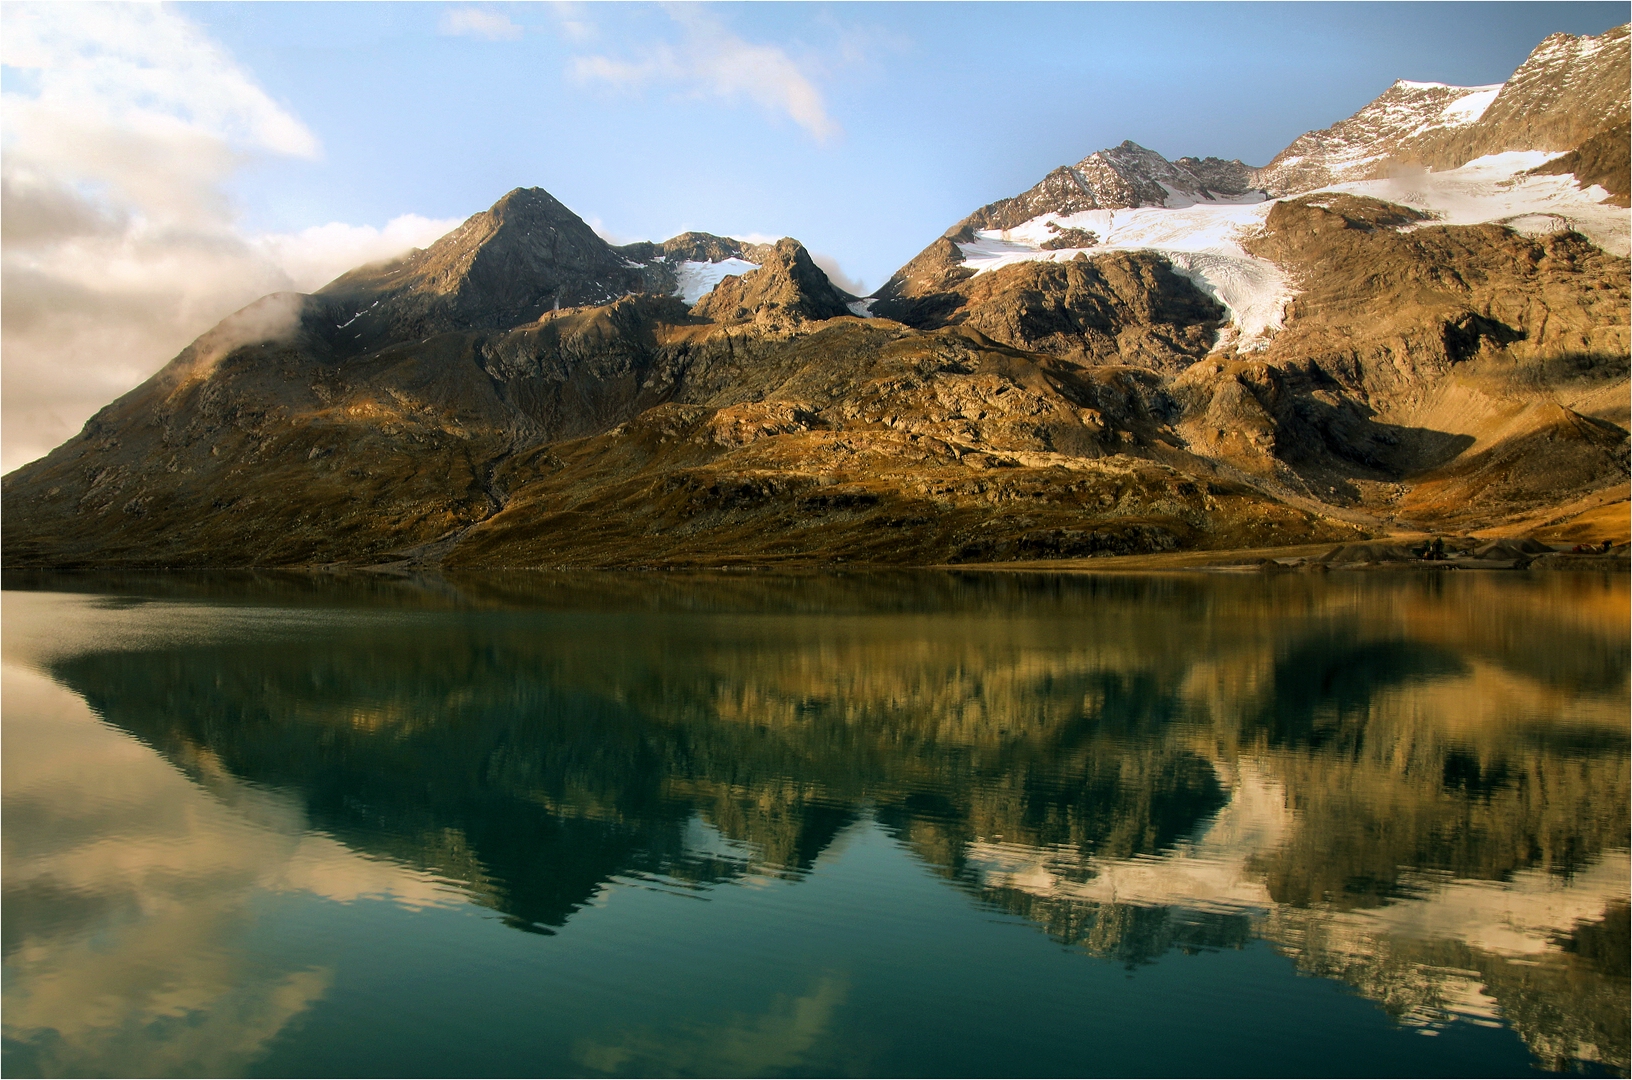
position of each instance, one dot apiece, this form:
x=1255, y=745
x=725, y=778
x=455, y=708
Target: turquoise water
x=866, y=824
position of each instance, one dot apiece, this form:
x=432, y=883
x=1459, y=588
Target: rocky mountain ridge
x=1161, y=355
x=1117, y=178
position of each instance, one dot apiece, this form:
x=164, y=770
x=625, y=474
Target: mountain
x=1119, y=178
x=505, y=266
x=1416, y=319
x=1404, y=123
x=1567, y=91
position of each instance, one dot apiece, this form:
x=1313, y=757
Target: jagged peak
x=526, y=220
x=788, y=289
x=508, y=264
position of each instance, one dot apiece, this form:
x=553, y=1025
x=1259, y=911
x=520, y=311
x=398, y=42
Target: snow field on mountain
x=1495, y=189
x=1469, y=105
x=1201, y=240
x=1407, y=111
x=1469, y=109
x=697, y=279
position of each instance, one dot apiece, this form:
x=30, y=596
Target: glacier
x=697, y=279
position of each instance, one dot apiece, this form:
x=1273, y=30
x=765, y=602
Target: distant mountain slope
x=1400, y=125
x=1569, y=89
x=1604, y=160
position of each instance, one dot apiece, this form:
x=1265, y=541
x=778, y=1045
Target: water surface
x=870, y=824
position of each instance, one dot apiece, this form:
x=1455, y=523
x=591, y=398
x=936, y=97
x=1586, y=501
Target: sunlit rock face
x=1374, y=776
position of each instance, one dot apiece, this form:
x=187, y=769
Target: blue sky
x=166, y=164
x=931, y=109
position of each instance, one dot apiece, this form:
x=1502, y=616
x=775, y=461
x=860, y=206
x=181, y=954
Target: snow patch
x=1466, y=110
x=697, y=279
x=1210, y=871
x=1201, y=240
x=862, y=308
x=1496, y=190
x=1180, y=200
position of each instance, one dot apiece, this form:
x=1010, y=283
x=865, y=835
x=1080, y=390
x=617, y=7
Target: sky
x=163, y=165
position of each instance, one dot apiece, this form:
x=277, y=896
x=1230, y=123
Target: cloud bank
x=119, y=244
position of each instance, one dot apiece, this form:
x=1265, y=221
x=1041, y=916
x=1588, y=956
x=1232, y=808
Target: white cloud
x=120, y=245
x=478, y=22
x=573, y=21
x=317, y=255
x=836, y=274
x=99, y=992
x=710, y=61
x=140, y=68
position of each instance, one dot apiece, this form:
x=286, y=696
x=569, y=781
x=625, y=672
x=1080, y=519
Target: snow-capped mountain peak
x=1391, y=127
x=1119, y=178
x=1568, y=89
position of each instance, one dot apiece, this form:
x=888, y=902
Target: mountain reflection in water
x=1416, y=786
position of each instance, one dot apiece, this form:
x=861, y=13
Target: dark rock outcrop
x=1118, y=308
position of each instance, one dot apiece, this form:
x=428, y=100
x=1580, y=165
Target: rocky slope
x=1117, y=178
x=525, y=256
x=1134, y=355
x=1400, y=125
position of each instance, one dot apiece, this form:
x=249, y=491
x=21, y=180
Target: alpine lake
x=861, y=823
